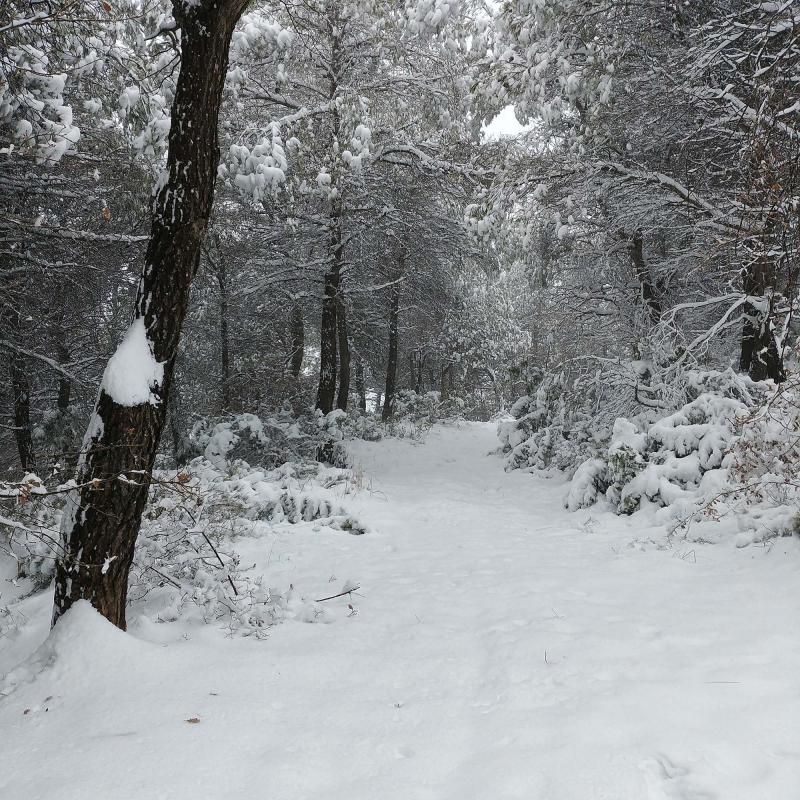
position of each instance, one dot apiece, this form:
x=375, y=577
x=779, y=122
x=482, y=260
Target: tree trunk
x=419, y=380
x=64, y=434
x=759, y=355
x=224, y=338
x=648, y=291
x=344, y=355
x=391, y=361
x=102, y=519
x=179, y=439
x=326, y=390
x=361, y=385
x=20, y=397
x=64, y=383
x=297, y=329
x=444, y=382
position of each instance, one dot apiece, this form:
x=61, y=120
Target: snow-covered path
x=502, y=648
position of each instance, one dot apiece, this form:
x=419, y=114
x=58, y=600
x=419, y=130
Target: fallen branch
x=341, y=594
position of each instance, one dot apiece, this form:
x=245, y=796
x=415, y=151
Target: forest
x=426, y=373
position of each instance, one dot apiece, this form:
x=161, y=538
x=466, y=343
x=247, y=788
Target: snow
x=497, y=647
x=132, y=373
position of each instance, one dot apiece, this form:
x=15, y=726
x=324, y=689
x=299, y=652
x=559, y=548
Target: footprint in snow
x=667, y=780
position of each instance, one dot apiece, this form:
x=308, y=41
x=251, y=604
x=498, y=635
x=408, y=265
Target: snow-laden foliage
x=186, y=563
x=730, y=447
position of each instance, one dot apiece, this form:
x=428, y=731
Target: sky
x=504, y=124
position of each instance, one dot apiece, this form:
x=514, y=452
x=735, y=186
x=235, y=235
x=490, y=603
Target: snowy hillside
x=498, y=646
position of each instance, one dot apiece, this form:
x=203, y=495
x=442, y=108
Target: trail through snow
x=502, y=648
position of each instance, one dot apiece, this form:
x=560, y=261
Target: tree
x=102, y=521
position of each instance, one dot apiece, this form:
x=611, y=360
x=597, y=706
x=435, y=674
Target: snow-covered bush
x=662, y=462
x=186, y=562
x=732, y=445
x=764, y=466
x=246, y=437
x=29, y=524
x=186, y=549
x=413, y=413
x=546, y=430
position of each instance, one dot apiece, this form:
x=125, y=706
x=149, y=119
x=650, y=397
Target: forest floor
x=498, y=647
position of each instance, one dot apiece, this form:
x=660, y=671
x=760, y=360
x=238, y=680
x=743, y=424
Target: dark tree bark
x=326, y=390
x=361, y=385
x=20, y=396
x=64, y=434
x=297, y=330
x=344, y=354
x=391, y=360
x=102, y=520
x=759, y=355
x=418, y=361
x=649, y=294
x=64, y=383
x=224, y=338
x=445, y=381
x=179, y=439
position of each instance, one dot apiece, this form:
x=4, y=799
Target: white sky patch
x=504, y=124
x=132, y=372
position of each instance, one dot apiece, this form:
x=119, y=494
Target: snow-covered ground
x=499, y=647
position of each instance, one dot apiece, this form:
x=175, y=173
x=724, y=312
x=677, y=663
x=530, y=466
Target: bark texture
x=20, y=397
x=760, y=356
x=224, y=337
x=326, y=390
x=297, y=330
x=650, y=295
x=64, y=383
x=391, y=360
x=361, y=384
x=343, y=394
x=102, y=520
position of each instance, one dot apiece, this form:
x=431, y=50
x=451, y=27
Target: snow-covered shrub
x=731, y=446
x=186, y=549
x=413, y=413
x=29, y=528
x=331, y=432
x=246, y=437
x=185, y=561
x=764, y=466
x=546, y=431
x=667, y=461
x=588, y=485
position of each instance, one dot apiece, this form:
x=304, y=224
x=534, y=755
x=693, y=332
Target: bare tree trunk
x=759, y=355
x=361, y=386
x=444, y=382
x=649, y=293
x=64, y=383
x=64, y=434
x=179, y=438
x=224, y=337
x=297, y=330
x=391, y=361
x=419, y=380
x=102, y=519
x=326, y=390
x=344, y=355
x=21, y=398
